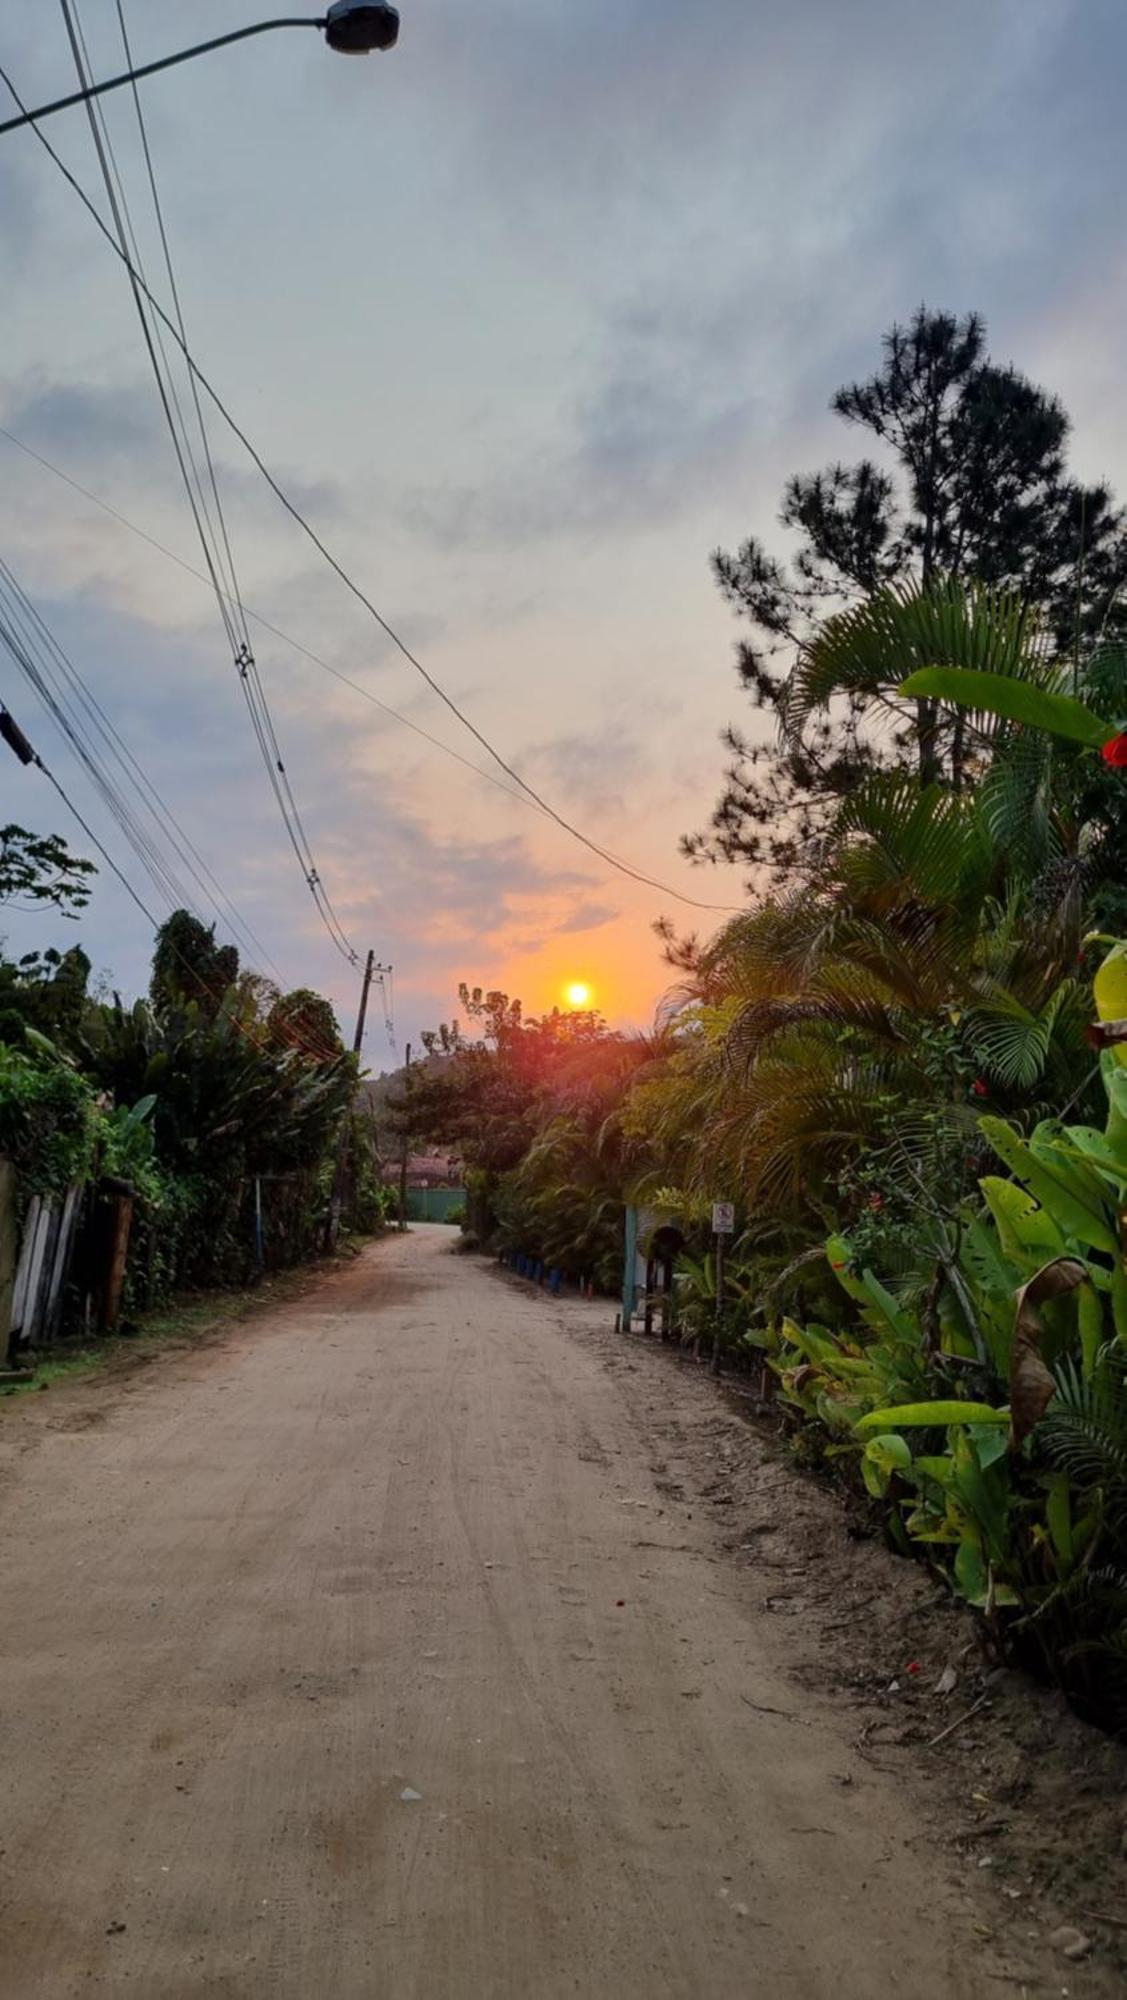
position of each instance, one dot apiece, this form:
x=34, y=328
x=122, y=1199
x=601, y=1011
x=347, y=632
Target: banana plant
x=1067, y=1199
x=1012, y=698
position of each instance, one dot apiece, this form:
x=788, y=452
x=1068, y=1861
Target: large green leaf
x=1025, y=1229
x=1110, y=989
x=1062, y=1189
x=931, y=1416
x=986, y=1262
x=1012, y=699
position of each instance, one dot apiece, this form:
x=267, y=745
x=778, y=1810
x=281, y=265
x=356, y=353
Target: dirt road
x=362, y=1655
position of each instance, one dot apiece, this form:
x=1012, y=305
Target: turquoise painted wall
x=433, y=1204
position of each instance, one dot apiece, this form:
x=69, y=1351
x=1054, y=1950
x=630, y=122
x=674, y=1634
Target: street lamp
x=356, y=27
x=351, y=27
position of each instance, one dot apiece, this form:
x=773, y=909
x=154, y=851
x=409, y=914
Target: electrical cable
x=621, y=867
x=163, y=879
x=258, y=618
x=134, y=774
x=295, y=1044
x=235, y=627
x=174, y=290
x=140, y=290
x=246, y=659
x=287, y=638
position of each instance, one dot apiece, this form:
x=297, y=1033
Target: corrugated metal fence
x=45, y=1245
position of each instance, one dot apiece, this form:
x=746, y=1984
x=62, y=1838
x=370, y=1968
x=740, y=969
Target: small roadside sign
x=723, y=1218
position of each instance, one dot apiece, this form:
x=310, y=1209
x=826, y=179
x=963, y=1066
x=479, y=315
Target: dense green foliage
x=305, y=1020
x=188, y=964
x=47, y=1122
x=218, y=1101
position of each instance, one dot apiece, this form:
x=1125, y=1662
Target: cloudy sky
x=528, y=317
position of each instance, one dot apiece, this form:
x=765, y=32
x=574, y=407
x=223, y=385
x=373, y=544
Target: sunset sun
x=578, y=994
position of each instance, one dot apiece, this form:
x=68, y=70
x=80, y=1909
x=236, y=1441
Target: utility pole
x=369, y=969
x=406, y=1142
x=332, y=1227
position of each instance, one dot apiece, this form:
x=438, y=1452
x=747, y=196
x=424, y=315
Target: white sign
x=723, y=1218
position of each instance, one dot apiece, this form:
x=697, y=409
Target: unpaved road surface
x=404, y=1537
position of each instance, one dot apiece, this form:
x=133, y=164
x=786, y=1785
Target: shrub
x=47, y=1122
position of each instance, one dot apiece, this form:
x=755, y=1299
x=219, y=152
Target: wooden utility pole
x=332, y=1227
x=406, y=1143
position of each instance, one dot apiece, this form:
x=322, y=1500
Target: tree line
x=218, y=1101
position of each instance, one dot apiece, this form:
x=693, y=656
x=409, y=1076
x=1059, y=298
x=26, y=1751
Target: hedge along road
x=339, y=1658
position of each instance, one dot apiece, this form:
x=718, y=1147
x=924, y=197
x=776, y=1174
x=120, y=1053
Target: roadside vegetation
x=214, y=1109
x=906, y=1063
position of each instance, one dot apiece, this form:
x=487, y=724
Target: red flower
x=1114, y=751
x=876, y=1201
x=980, y=1089
x=914, y=1667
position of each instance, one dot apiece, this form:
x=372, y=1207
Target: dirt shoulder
x=188, y=1321
x=1027, y=1801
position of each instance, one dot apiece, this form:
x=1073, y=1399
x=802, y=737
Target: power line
x=162, y=877
x=238, y=636
x=258, y=618
x=134, y=774
x=174, y=290
x=298, y=645
x=613, y=861
x=246, y=660
x=294, y=1043
x=17, y=638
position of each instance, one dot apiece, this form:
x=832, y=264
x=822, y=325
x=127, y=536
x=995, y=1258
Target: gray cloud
x=93, y=428
x=588, y=917
x=594, y=769
x=85, y=423
x=793, y=159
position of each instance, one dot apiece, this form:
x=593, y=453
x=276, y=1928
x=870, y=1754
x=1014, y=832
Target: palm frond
x=875, y=646
x=1084, y=1431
